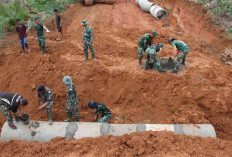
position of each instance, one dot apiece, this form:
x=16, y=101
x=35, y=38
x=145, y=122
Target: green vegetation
x=222, y=7
x=12, y=11
x=8, y=15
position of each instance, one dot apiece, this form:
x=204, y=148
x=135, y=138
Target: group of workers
x=145, y=45
x=87, y=38
x=10, y=102
x=15, y=103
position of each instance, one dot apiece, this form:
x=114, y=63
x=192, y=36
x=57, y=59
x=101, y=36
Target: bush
x=9, y=13
x=12, y=11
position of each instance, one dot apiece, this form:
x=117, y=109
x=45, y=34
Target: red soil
x=162, y=144
x=201, y=93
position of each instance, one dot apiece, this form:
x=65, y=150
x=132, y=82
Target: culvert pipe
x=42, y=131
x=158, y=12
x=145, y=5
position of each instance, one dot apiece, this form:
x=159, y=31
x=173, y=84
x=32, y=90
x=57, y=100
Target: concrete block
x=203, y=130
x=88, y=129
x=121, y=129
x=46, y=132
x=159, y=127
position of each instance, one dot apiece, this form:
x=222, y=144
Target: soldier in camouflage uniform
x=143, y=43
x=101, y=111
x=151, y=53
x=40, y=35
x=72, y=100
x=87, y=40
x=10, y=102
x=45, y=95
x=179, y=47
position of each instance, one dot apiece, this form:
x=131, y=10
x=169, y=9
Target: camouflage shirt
x=151, y=52
x=39, y=30
x=180, y=45
x=102, y=109
x=145, y=41
x=88, y=35
x=47, y=96
x=72, y=98
x=155, y=47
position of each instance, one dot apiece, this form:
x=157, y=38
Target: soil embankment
x=201, y=93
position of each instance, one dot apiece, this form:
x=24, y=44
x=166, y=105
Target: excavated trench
x=166, y=64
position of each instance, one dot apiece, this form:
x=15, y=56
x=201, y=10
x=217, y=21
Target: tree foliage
x=11, y=11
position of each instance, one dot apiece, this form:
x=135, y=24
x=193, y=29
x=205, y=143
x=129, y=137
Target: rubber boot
x=93, y=56
x=49, y=114
x=183, y=61
x=50, y=121
x=86, y=57
x=69, y=114
x=77, y=118
x=44, y=51
x=140, y=62
x=13, y=126
x=174, y=71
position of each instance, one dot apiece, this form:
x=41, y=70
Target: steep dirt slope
x=199, y=94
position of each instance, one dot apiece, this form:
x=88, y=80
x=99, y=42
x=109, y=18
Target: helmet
x=41, y=88
x=67, y=80
x=155, y=33
x=24, y=102
x=170, y=39
x=92, y=104
x=84, y=22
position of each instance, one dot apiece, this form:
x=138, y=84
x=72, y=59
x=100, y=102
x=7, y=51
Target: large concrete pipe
x=158, y=12
x=42, y=131
x=145, y=5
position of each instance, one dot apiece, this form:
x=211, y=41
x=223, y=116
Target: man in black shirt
x=12, y=102
x=58, y=24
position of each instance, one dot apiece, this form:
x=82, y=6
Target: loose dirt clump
x=136, y=144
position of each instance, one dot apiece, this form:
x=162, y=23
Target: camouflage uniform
x=151, y=54
x=88, y=39
x=143, y=43
x=5, y=109
x=105, y=113
x=40, y=37
x=72, y=99
x=184, y=48
x=47, y=97
x=9, y=102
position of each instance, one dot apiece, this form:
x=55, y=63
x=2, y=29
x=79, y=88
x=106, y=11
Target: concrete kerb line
x=76, y=130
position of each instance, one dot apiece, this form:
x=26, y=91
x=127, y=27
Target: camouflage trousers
x=48, y=109
x=140, y=51
x=74, y=108
x=86, y=47
x=41, y=41
x=155, y=60
x=6, y=112
x=180, y=59
x=105, y=118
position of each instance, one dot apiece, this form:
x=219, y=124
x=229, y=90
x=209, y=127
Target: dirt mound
x=201, y=93
x=136, y=144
